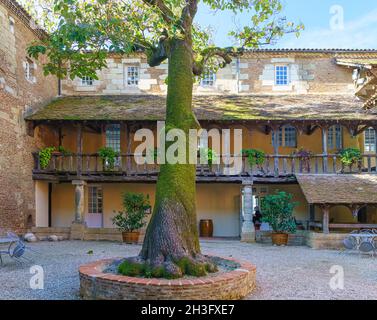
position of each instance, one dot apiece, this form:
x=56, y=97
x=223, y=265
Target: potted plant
x=277, y=210
x=108, y=156
x=304, y=157
x=254, y=157
x=209, y=155
x=131, y=219
x=350, y=156
x=45, y=156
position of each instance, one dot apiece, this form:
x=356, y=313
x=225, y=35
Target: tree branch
x=188, y=14
x=167, y=14
x=225, y=54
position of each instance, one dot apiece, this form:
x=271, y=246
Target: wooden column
x=326, y=218
x=49, y=204
x=128, y=149
x=275, y=133
x=324, y=149
x=79, y=142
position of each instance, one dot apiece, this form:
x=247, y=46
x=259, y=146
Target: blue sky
x=360, y=24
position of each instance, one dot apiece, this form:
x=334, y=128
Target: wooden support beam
x=324, y=149
x=79, y=144
x=275, y=133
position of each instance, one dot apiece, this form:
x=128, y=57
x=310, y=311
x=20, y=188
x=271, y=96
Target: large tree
x=86, y=32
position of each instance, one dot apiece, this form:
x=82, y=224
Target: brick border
x=94, y=284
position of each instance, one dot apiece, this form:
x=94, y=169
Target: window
x=281, y=75
x=95, y=199
x=132, y=76
x=113, y=137
x=334, y=137
x=287, y=137
x=87, y=81
x=208, y=79
x=11, y=25
x=370, y=140
x=29, y=70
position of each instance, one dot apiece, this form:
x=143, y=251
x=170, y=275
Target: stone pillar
x=247, y=230
x=326, y=216
x=78, y=225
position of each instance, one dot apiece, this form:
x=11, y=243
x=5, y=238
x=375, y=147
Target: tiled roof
x=208, y=107
x=339, y=189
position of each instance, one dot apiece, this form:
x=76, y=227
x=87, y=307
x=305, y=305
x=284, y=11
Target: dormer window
x=86, y=81
x=208, y=79
x=281, y=75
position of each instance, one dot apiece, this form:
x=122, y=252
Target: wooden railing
x=273, y=166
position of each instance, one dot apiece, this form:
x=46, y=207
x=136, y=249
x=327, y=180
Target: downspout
x=59, y=87
x=238, y=74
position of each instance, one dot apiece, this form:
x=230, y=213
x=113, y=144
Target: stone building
x=282, y=100
x=23, y=89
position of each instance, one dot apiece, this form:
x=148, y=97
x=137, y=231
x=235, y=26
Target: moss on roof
x=358, y=61
x=214, y=107
x=339, y=189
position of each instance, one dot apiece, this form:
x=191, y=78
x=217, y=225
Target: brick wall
x=18, y=96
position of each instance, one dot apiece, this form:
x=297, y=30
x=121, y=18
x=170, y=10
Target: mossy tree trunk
x=171, y=239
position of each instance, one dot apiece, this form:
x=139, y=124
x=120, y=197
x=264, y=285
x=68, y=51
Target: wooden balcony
x=276, y=168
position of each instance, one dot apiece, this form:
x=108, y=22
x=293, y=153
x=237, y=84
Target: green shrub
x=208, y=155
x=350, y=156
x=108, y=156
x=277, y=210
x=45, y=156
x=254, y=156
x=131, y=218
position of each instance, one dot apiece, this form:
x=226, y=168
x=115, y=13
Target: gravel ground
x=282, y=272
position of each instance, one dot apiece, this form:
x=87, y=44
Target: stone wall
x=253, y=73
x=18, y=96
x=294, y=239
x=318, y=240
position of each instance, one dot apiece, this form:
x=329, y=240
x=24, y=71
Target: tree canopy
x=83, y=32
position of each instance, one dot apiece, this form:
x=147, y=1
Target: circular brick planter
x=235, y=284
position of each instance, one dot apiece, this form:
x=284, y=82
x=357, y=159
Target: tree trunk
x=171, y=239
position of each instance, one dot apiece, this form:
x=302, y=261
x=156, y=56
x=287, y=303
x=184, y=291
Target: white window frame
x=370, y=145
x=11, y=25
x=132, y=76
x=208, y=79
x=27, y=70
x=335, y=137
x=95, y=206
x=276, y=76
x=87, y=81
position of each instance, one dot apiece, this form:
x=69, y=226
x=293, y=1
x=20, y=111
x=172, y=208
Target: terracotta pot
x=131, y=237
x=206, y=228
x=279, y=238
